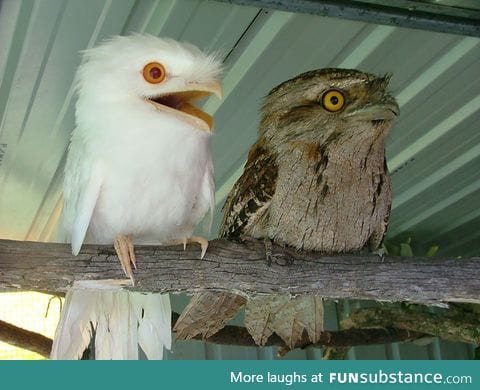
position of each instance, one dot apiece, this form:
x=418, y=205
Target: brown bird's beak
x=181, y=104
x=385, y=110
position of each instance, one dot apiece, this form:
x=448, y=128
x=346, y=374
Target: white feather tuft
x=74, y=330
x=154, y=317
x=122, y=322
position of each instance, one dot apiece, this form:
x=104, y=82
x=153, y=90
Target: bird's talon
x=194, y=239
x=204, y=250
x=268, y=258
x=381, y=252
x=268, y=251
x=199, y=240
x=126, y=255
x=131, y=253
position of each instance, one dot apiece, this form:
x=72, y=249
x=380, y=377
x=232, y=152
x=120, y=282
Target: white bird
x=139, y=169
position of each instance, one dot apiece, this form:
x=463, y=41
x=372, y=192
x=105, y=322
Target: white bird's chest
x=150, y=188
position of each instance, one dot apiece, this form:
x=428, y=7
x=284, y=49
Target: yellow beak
x=181, y=105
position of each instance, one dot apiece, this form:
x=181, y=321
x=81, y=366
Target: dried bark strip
x=241, y=268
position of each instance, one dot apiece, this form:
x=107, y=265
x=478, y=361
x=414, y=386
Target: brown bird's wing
x=251, y=195
x=246, y=203
x=383, y=204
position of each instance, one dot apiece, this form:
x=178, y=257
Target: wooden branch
x=26, y=339
x=241, y=268
x=455, y=324
x=335, y=353
x=230, y=335
x=238, y=335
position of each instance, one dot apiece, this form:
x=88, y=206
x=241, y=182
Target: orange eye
x=154, y=72
x=333, y=100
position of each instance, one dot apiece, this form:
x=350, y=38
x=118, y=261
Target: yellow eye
x=333, y=100
x=154, y=72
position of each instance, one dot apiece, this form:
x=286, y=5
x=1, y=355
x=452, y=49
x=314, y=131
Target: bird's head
x=148, y=73
x=327, y=103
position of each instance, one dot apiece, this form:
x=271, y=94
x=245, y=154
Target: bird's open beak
x=181, y=104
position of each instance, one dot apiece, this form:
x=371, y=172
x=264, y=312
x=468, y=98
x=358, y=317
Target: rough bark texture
x=26, y=339
x=335, y=353
x=237, y=335
x=241, y=268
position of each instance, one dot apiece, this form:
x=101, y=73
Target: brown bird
x=315, y=180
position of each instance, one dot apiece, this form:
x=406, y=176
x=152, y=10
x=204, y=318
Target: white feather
x=85, y=206
x=74, y=331
x=154, y=313
x=132, y=170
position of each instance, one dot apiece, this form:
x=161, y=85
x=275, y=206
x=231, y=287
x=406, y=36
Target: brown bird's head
x=325, y=103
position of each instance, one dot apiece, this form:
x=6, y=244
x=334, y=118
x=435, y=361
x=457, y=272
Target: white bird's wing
x=82, y=185
x=204, y=202
x=208, y=192
x=85, y=206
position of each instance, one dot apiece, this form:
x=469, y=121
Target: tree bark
x=455, y=324
x=26, y=339
x=230, y=335
x=241, y=268
x=238, y=335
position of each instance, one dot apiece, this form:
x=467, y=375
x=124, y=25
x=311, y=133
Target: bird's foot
x=124, y=247
x=193, y=239
x=199, y=240
x=268, y=251
x=381, y=252
x=277, y=258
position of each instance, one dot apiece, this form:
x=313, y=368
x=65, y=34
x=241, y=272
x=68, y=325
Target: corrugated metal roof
x=433, y=151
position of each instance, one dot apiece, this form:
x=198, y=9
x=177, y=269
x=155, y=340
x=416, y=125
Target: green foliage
x=432, y=251
x=404, y=249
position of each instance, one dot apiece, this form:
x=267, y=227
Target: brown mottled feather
x=250, y=196
x=203, y=312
